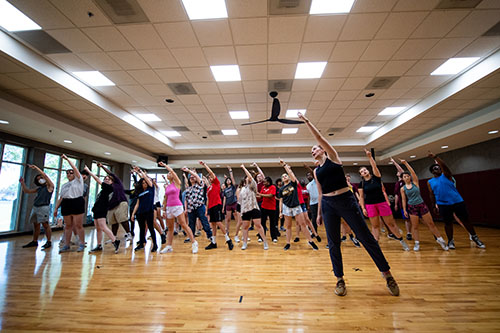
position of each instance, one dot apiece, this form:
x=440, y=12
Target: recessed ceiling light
x=390, y=162
x=444, y=147
x=293, y=113
x=355, y=163
x=68, y=141
x=149, y=117
x=230, y=132
x=134, y=161
x=12, y=19
x=226, y=73
x=331, y=7
x=413, y=156
x=289, y=130
x=454, y=66
x=239, y=114
x=391, y=111
x=490, y=132
x=107, y=153
x=205, y=9
x=171, y=134
x=4, y=122
x=94, y=78
x=310, y=70
x=366, y=129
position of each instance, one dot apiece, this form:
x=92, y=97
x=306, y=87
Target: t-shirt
x=146, y=200
x=230, y=194
x=312, y=188
x=248, y=198
x=372, y=190
x=269, y=203
x=118, y=192
x=289, y=194
x=195, y=197
x=445, y=191
x=305, y=194
x=102, y=200
x=72, y=189
x=300, y=193
x=213, y=193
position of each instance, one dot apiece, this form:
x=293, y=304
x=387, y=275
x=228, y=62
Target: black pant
x=273, y=221
x=345, y=205
x=143, y=219
x=446, y=212
x=313, y=215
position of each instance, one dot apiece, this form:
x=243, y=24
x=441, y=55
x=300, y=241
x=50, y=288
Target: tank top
x=331, y=176
x=413, y=195
x=172, y=194
x=42, y=196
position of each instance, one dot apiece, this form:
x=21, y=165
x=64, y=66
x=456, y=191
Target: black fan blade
x=275, y=111
x=255, y=122
x=289, y=121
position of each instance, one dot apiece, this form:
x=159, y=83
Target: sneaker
x=382, y=229
x=251, y=228
x=313, y=245
x=442, y=243
x=343, y=239
x=81, y=248
x=355, y=241
x=163, y=238
x=30, y=244
x=470, y=237
x=197, y=233
x=236, y=239
x=282, y=229
x=47, y=245
x=187, y=240
x=65, y=248
x=275, y=240
x=327, y=247
x=154, y=248
x=116, y=243
x=297, y=239
x=98, y=248
x=287, y=247
x=392, y=286
x=409, y=237
x=478, y=242
x=194, y=247
x=416, y=247
x=391, y=236
x=230, y=244
x=128, y=237
x=259, y=238
x=167, y=249
x=340, y=289
x=244, y=246
x=318, y=239
x=404, y=245
x=451, y=244
x=211, y=246
x=139, y=247
x=175, y=233
x=266, y=246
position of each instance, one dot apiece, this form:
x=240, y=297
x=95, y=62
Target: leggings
x=446, y=212
x=143, y=219
x=273, y=221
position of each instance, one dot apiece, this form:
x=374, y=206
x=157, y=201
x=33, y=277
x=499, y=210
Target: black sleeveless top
x=331, y=176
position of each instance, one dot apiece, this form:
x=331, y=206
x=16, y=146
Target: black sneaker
x=478, y=242
x=318, y=239
x=391, y=236
x=98, y=248
x=297, y=239
x=187, y=240
x=211, y=246
x=175, y=233
x=163, y=238
x=313, y=245
x=116, y=243
x=230, y=244
x=408, y=236
x=251, y=228
x=287, y=247
x=139, y=247
x=355, y=241
x=47, y=245
x=340, y=289
x=30, y=244
x=154, y=248
x=392, y=286
x=343, y=239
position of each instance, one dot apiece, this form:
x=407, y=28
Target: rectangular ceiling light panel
x=171, y=134
x=12, y=19
x=331, y=6
x=239, y=114
x=454, y=66
x=148, y=117
x=205, y=9
x=226, y=73
x=310, y=70
x=290, y=130
x=293, y=113
x=391, y=111
x=230, y=132
x=366, y=129
x=94, y=78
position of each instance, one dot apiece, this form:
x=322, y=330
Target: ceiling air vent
x=288, y=7
x=182, y=88
x=180, y=128
x=274, y=131
x=279, y=85
x=122, y=11
x=335, y=129
x=42, y=41
x=214, y=132
x=494, y=30
x=382, y=82
x=457, y=4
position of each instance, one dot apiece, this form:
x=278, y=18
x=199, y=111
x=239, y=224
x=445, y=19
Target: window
x=12, y=168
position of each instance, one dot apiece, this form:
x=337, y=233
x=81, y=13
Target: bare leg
x=182, y=221
x=36, y=231
x=427, y=219
x=103, y=228
x=288, y=227
x=414, y=227
x=391, y=223
x=68, y=229
x=170, y=232
x=302, y=223
x=260, y=229
x=48, y=231
x=375, y=222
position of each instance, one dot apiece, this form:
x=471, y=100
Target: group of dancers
x=334, y=202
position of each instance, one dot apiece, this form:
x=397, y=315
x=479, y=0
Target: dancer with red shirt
x=268, y=208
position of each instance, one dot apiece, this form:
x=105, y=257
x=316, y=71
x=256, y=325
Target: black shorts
x=215, y=214
x=250, y=215
x=74, y=206
x=157, y=205
x=446, y=212
x=238, y=208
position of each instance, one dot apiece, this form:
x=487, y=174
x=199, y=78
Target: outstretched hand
x=431, y=154
x=368, y=153
x=302, y=117
x=64, y=157
x=402, y=161
x=185, y=169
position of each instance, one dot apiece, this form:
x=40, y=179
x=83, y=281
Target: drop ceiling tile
x=43, y=13
x=356, y=83
x=417, y=93
x=400, y=25
x=305, y=85
x=481, y=47
x=74, y=9
x=338, y=69
x=256, y=97
x=411, y=5
x=302, y=97
x=247, y=8
x=33, y=80
x=348, y=51
x=70, y=62
x=330, y=84
x=476, y=24
x=346, y=95
x=396, y=68
x=100, y=61
x=212, y=33
x=129, y=60
x=171, y=75
x=190, y=99
x=33, y=95
x=414, y=49
x=255, y=86
x=324, y=28
x=212, y=99
x=323, y=96
x=108, y=38
x=190, y=57
x=230, y=88
x=178, y=34
x=163, y=11
x=249, y=31
x=315, y=51
x=439, y=23
x=252, y=54
x=234, y=98
x=283, y=53
x=425, y=67
x=7, y=82
x=447, y=48
x=393, y=94
x=119, y=77
x=367, y=68
x=254, y=72
x=286, y=29
x=220, y=55
x=199, y=74
x=142, y=36
x=145, y=76
x=161, y=58
x=74, y=39
x=362, y=26
x=206, y=88
x=369, y=6
x=381, y=49
x=433, y=81
x=277, y=72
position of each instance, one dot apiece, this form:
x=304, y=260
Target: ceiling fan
x=275, y=112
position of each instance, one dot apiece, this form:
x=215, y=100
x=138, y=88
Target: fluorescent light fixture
x=205, y=9
x=331, y=6
x=149, y=117
x=107, y=153
x=239, y=114
x=68, y=141
x=293, y=113
x=134, y=161
x=355, y=163
x=366, y=129
x=310, y=70
x=226, y=73
x=444, y=147
x=4, y=122
x=391, y=111
x=490, y=132
x=12, y=19
x=289, y=130
x=413, y=156
x=230, y=132
x=94, y=78
x=454, y=66
x=171, y=134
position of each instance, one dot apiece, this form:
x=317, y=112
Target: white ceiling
x=403, y=38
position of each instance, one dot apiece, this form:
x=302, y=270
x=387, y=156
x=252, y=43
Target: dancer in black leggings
x=337, y=201
x=144, y=208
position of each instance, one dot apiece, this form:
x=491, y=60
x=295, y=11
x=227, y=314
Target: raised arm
x=288, y=170
x=210, y=172
x=75, y=169
x=375, y=170
x=231, y=175
x=104, y=168
x=254, y=164
x=322, y=141
x=442, y=165
x=177, y=180
x=308, y=168
x=249, y=175
x=193, y=173
x=141, y=173
x=398, y=167
x=412, y=172
x=25, y=188
x=97, y=179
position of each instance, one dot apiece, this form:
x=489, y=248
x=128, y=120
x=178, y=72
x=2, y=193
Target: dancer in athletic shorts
x=230, y=201
x=398, y=205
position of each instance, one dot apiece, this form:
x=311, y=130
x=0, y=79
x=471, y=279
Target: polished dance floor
x=252, y=290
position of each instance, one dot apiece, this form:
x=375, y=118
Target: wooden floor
x=252, y=290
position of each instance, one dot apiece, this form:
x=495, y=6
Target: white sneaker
x=194, y=247
x=275, y=241
x=442, y=242
x=266, y=246
x=236, y=239
x=416, y=247
x=167, y=249
x=248, y=239
x=128, y=237
x=404, y=245
x=244, y=246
